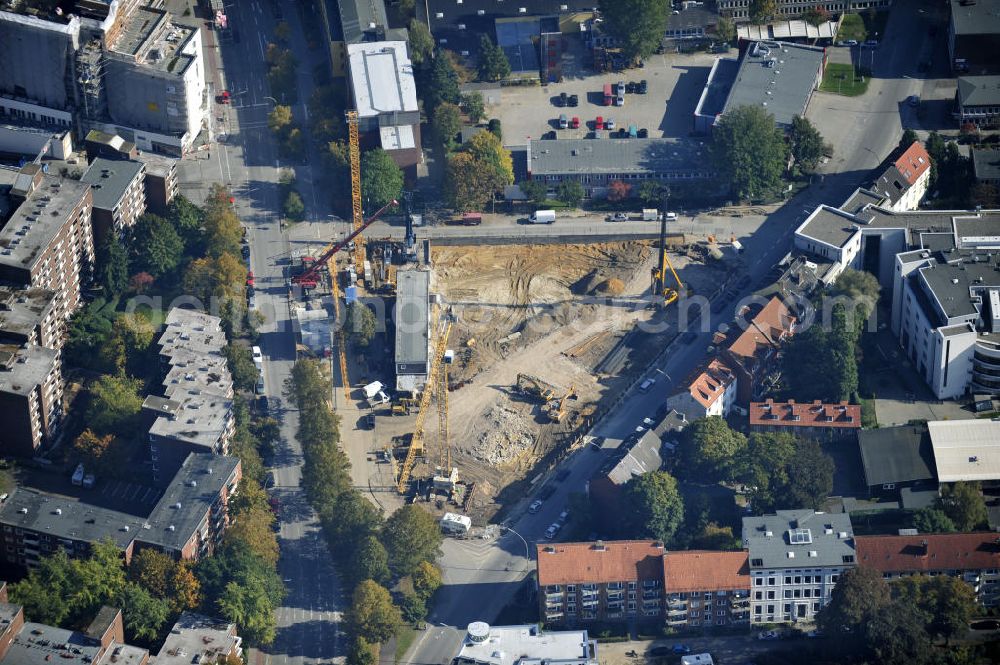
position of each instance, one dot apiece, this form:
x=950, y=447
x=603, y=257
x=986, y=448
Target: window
x=631, y=585
x=770, y=581
x=758, y=595
x=571, y=588
x=788, y=593
x=788, y=607
x=770, y=595
x=788, y=579
x=757, y=563
x=758, y=581
x=757, y=609
x=770, y=609
x=815, y=607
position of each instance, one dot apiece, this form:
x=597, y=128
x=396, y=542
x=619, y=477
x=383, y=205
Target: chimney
x=924, y=547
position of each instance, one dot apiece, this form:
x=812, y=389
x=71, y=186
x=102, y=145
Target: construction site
x=501, y=354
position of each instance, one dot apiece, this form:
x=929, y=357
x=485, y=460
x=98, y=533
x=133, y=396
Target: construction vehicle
x=532, y=385
x=556, y=409
x=416, y=447
x=402, y=406
x=659, y=272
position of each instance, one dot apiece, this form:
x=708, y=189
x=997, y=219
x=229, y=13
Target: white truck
x=650, y=215
x=375, y=394
x=455, y=524
x=543, y=217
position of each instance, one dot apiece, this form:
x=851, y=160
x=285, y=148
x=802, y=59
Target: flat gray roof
x=382, y=78
x=953, y=284
x=655, y=157
x=411, y=317
x=778, y=76
x=202, y=419
x=979, y=90
x=859, y=199
x=829, y=225
x=207, y=373
x=966, y=450
x=110, y=179
x=38, y=220
x=977, y=18
x=896, y=454
x=720, y=82
x=829, y=535
x=196, y=634
x=24, y=368
x=22, y=310
x=986, y=163
x=38, y=643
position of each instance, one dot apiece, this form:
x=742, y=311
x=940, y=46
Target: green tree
x=860, y=594
x=372, y=614
x=896, y=635
x=241, y=366
x=964, y=505
x=143, y=614
x=128, y=347
x=114, y=406
x=709, y=446
x=102, y=455
x=806, y=144
x=381, y=179
x=280, y=119
x=652, y=192
x=475, y=106
x=493, y=64
x=535, y=190
x=763, y=11
x=816, y=16
x=412, y=607
x=821, y=364
x=908, y=138
x=410, y=535
x=862, y=288
x=810, y=477
x=248, y=606
x=653, y=506
x=426, y=579
x=157, y=248
x=360, y=324
x=715, y=537
x=362, y=652
x=443, y=84
x=223, y=232
x=370, y=561
x=749, y=152
x=111, y=273
x=763, y=467
x=44, y=592
x=495, y=128
x=421, y=43
x=493, y=160
x=952, y=605
x=464, y=189
x=725, y=29
x=283, y=32
x=447, y=123
x=637, y=25
x=293, y=208
x=570, y=192
x=932, y=520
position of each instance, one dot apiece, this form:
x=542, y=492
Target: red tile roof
x=943, y=551
x=711, y=384
x=914, y=162
x=698, y=570
x=587, y=563
x=765, y=330
x=817, y=414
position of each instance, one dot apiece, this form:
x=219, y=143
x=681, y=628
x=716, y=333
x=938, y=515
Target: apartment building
x=796, y=558
x=822, y=422
x=28, y=317
x=704, y=588
x=751, y=349
x=31, y=392
x=199, y=637
x=161, y=182
x=600, y=581
x=47, y=241
x=102, y=641
x=740, y=9
x=712, y=392
x=903, y=183
x=635, y=457
x=986, y=165
x=119, y=189
x=186, y=521
x=972, y=557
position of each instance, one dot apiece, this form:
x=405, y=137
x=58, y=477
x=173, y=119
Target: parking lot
x=674, y=84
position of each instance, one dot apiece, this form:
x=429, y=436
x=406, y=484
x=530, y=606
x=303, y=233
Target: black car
x=643, y=133
x=250, y=292
x=549, y=136
x=562, y=475
x=643, y=87
x=246, y=251
x=631, y=87
x=562, y=99
x=262, y=403
x=574, y=100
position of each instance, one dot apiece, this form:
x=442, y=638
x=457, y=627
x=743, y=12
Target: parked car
x=246, y=251
x=681, y=649
x=224, y=97
x=631, y=87
x=575, y=122
x=551, y=532
x=574, y=100
x=564, y=515
x=646, y=385
x=563, y=475
x=872, y=43
x=768, y=635
x=535, y=506
x=618, y=217
x=633, y=132
x=599, y=123
x=562, y=99
x=849, y=42
x=986, y=624
x=249, y=277
x=609, y=123
x=563, y=121
x=550, y=135
x=620, y=88
x=643, y=133
x=643, y=87
x=620, y=100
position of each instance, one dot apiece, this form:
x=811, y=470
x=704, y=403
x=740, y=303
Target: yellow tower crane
x=442, y=404
x=341, y=341
x=417, y=440
x=659, y=287
x=357, y=216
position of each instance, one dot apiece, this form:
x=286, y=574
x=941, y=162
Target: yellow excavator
x=532, y=385
x=659, y=273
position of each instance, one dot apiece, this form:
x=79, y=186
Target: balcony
x=589, y=604
x=677, y=621
x=647, y=595
x=677, y=604
x=677, y=611
x=555, y=595
x=616, y=596
x=552, y=616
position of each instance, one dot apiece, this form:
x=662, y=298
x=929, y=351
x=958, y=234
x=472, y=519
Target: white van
x=543, y=217
x=670, y=216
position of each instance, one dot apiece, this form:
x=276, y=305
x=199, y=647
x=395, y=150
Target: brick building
x=119, y=195
x=102, y=641
x=704, y=588
x=711, y=392
x=823, y=422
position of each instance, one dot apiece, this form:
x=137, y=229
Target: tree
x=896, y=635
x=710, y=447
x=370, y=561
x=102, y=455
x=188, y=219
x=241, y=366
x=447, y=123
x=127, y=347
x=443, y=84
x=908, y=138
x=493, y=64
x=152, y=570
x=821, y=364
x=255, y=528
x=806, y=144
x=115, y=404
x=985, y=195
x=535, y=190
x=360, y=324
x=810, y=477
x=652, y=192
x=140, y=282
x=762, y=11
x=279, y=119
x=637, y=25
x=283, y=32
x=816, y=16
x=410, y=535
x=362, y=652
x=860, y=594
x=618, y=190
x=426, y=579
x=143, y=614
x=725, y=29
x=932, y=520
x=570, y=192
x=111, y=273
x=471, y=182
x=862, y=288
x=653, y=506
x=294, y=144
x=421, y=42
x=372, y=614
x=381, y=179
x=223, y=232
x=293, y=207
x=964, y=505
x=763, y=467
x=493, y=160
x=951, y=604
x=475, y=106
x=248, y=606
x=412, y=607
x=494, y=127
x=749, y=152
x=715, y=537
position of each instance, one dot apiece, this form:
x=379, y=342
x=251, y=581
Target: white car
x=609, y=123
x=552, y=531
x=535, y=506
x=258, y=357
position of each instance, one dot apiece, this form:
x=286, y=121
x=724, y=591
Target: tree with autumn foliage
x=618, y=190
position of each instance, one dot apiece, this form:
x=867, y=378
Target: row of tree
x=373, y=552
x=288, y=134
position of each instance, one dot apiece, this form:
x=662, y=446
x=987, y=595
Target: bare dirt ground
x=552, y=312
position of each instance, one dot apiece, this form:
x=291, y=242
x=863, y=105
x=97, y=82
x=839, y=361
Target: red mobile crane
x=308, y=277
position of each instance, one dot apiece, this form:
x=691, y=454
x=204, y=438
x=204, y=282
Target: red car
x=599, y=123
x=250, y=278
x=575, y=123
x=224, y=97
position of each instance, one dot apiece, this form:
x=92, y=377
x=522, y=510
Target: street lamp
x=273, y=100
x=527, y=555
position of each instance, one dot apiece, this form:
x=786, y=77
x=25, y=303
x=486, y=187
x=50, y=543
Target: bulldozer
x=556, y=409
x=532, y=385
